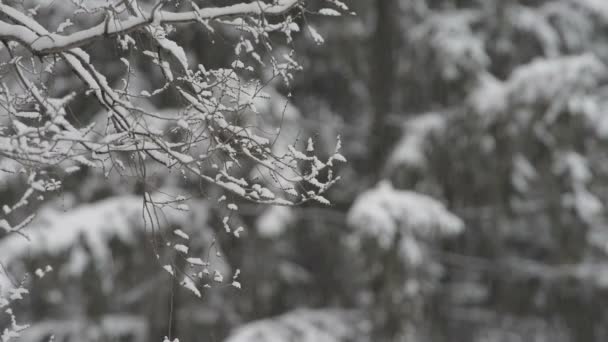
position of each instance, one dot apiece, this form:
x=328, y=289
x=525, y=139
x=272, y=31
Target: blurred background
x=471, y=207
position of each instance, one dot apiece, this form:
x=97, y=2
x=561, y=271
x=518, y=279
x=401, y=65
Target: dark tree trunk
x=382, y=81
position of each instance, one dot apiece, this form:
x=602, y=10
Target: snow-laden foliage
x=110, y=327
x=451, y=45
x=541, y=81
x=92, y=227
x=384, y=211
x=557, y=82
x=506, y=328
x=409, y=151
x=402, y=217
x=305, y=325
x=545, y=98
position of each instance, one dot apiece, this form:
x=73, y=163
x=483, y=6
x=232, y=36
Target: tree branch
x=55, y=43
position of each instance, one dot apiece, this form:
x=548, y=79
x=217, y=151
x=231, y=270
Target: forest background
x=471, y=206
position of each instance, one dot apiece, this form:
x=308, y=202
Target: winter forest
x=303, y=171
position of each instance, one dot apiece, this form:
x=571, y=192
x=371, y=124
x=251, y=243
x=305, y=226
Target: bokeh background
x=472, y=206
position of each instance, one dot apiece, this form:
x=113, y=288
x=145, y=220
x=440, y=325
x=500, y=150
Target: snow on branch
x=403, y=219
x=54, y=43
x=543, y=80
x=39, y=133
x=305, y=325
x=384, y=210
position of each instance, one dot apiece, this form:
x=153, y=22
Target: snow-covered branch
x=54, y=42
x=42, y=135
